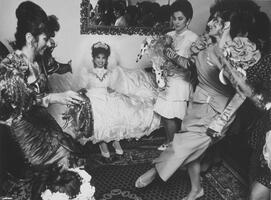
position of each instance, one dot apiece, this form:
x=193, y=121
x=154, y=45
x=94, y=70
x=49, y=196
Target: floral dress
x=24, y=101
x=259, y=78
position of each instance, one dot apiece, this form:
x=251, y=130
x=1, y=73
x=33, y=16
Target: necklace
x=100, y=73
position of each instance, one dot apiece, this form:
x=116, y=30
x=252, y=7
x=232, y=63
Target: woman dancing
x=116, y=116
x=172, y=102
x=23, y=96
x=231, y=19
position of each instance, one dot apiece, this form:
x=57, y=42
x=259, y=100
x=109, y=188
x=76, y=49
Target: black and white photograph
x=135, y=100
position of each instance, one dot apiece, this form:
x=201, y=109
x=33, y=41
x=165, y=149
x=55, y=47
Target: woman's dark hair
x=67, y=182
x=53, y=25
x=31, y=18
x=184, y=6
x=245, y=19
x=164, y=15
x=132, y=15
x=55, y=179
x=118, y=6
x=105, y=9
x=100, y=48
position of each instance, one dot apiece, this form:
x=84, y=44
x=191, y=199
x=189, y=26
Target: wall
x=70, y=42
x=72, y=45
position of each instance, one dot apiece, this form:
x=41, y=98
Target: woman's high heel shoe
x=200, y=194
x=117, y=148
x=146, y=178
x=106, y=157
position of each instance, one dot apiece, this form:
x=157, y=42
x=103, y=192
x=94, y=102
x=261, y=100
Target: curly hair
x=53, y=25
x=67, y=182
x=31, y=18
x=100, y=48
x=184, y=6
x=55, y=179
x=246, y=19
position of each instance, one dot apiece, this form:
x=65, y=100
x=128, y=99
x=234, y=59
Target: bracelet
x=46, y=100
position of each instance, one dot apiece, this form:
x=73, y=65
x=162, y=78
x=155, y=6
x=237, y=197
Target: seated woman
x=117, y=115
x=231, y=20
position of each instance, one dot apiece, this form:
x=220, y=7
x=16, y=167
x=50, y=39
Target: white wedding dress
x=126, y=109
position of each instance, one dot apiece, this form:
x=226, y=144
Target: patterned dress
x=38, y=135
x=259, y=77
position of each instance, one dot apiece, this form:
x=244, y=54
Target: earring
x=32, y=43
x=29, y=44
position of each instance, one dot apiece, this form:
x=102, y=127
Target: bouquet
x=201, y=43
x=154, y=48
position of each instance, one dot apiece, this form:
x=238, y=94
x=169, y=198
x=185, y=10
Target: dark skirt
x=259, y=169
x=38, y=142
x=42, y=140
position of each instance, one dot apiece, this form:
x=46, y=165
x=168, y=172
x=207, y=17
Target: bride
x=121, y=101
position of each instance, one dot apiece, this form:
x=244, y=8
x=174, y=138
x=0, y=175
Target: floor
x=115, y=180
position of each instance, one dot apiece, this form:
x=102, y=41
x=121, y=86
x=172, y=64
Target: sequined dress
x=38, y=135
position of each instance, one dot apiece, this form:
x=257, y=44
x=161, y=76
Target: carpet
x=116, y=180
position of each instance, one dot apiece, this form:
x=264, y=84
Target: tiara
x=100, y=45
x=86, y=190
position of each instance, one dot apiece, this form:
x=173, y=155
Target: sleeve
x=267, y=149
x=15, y=95
x=259, y=77
x=187, y=45
x=43, y=99
x=84, y=77
x=15, y=92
